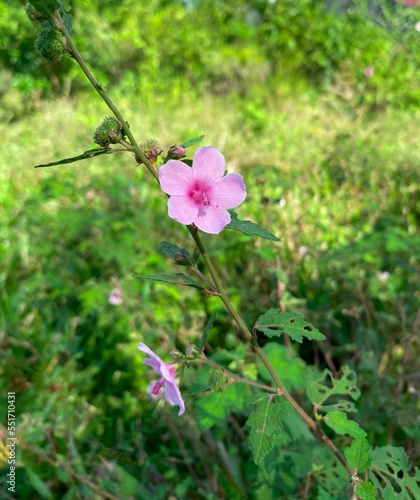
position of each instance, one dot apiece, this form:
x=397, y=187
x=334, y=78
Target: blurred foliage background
x=316, y=104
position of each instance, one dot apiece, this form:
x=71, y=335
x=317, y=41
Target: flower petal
x=160, y=367
x=212, y=219
x=173, y=396
x=182, y=209
x=175, y=177
x=208, y=165
x=229, y=192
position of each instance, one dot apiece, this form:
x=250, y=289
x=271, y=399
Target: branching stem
x=245, y=332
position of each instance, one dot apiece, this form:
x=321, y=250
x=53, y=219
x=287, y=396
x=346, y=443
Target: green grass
x=339, y=186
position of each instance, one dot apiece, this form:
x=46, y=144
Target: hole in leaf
x=292, y=320
x=308, y=328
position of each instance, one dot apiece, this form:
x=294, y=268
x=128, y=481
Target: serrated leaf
x=207, y=328
x=321, y=387
x=389, y=473
x=338, y=422
x=249, y=228
x=190, y=142
x=180, y=255
x=177, y=279
x=38, y=484
x=91, y=153
x=274, y=323
x=358, y=455
x=365, y=491
x=265, y=421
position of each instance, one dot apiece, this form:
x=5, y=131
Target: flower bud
x=32, y=13
x=192, y=352
x=50, y=43
x=182, y=259
x=175, y=354
x=218, y=381
x=108, y=132
x=151, y=150
x=176, y=152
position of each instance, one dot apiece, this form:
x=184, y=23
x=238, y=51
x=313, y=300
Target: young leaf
x=322, y=387
x=249, y=228
x=265, y=421
x=178, y=279
x=273, y=323
x=180, y=255
x=206, y=332
x=190, y=142
x=365, y=491
x=84, y=156
x=338, y=422
x=358, y=455
x=389, y=473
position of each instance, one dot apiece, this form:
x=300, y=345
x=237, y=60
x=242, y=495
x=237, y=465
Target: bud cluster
x=50, y=43
x=108, y=132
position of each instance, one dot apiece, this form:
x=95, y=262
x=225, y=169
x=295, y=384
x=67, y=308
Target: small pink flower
x=368, y=72
x=167, y=373
x=115, y=297
x=201, y=194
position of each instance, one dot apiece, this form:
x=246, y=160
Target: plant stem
x=236, y=377
x=281, y=391
x=104, y=95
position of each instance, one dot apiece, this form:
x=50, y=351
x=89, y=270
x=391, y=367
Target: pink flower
x=201, y=194
x=167, y=373
x=115, y=297
x=368, y=72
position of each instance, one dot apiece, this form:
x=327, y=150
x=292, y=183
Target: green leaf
x=190, y=142
x=249, y=228
x=213, y=408
x=39, y=485
x=264, y=421
x=178, y=279
x=365, y=491
x=323, y=387
x=180, y=255
x=85, y=156
x=389, y=473
x=338, y=422
x=207, y=328
x=274, y=322
x=358, y=455
x=289, y=367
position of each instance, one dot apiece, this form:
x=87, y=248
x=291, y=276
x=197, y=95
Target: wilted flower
x=167, y=373
x=201, y=194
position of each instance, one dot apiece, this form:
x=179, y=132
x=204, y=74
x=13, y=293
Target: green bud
x=192, y=352
x=32, y=13
x=175, y=354
x=50, y=43
x=218, y=381
x=108, y=132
